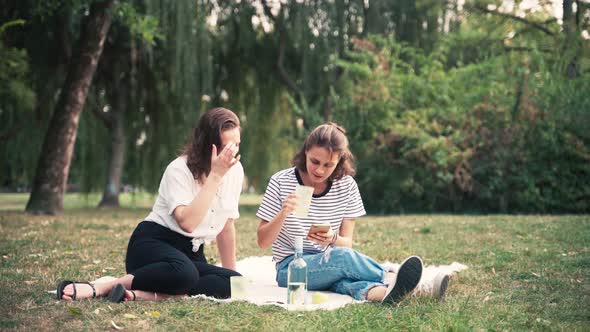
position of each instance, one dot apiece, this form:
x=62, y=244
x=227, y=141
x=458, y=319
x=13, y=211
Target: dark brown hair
x=332, y=137
x=204, y=135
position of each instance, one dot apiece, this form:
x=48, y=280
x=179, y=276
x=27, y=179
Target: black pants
x=162, y=261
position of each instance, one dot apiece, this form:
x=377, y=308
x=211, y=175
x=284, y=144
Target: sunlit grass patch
x=525, y=273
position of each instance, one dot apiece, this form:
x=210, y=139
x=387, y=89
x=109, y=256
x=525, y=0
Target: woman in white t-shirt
x=197, y=203
x=326, y=164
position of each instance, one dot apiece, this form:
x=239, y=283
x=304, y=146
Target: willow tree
x=42, y=39
x=244, y=59
x=53, y=167
x=312, y=36
x=173, y=75
x=114, y=98
x=114, y=77
x=147, y=95
x=274, y=63
x=574, y=47
x=296, y=44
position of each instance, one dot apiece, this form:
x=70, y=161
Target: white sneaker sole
x=441, y=285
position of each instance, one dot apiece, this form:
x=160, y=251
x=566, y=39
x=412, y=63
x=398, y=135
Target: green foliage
x=484, y=136
x=141, y=25
x=15, y=94
x=7, y=25
x=46, y=10
x=17, y=101
x=451, y=109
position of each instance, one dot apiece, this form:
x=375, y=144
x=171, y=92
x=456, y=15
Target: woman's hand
x=322, y=238
x=222, y=162
x=289, y=204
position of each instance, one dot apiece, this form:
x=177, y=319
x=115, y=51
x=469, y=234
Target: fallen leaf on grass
x=74, y=310
x=129, y=316
x=115, y=326
x=493, y=271
x=97, y=311
x=154, y=314
x=536, y=275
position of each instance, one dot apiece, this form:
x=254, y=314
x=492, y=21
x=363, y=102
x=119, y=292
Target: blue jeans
x=347, y=271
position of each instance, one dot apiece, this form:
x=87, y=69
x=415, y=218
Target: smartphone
x=318, y=228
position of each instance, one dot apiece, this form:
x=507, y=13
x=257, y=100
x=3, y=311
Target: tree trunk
x=110, y=196
x=53, y=167
x=570, y=29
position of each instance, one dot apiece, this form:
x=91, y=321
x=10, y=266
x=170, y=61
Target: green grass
x=525, y=273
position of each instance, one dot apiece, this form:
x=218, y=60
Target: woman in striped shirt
x=326, y=164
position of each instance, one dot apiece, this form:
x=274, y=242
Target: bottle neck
x=298, y=246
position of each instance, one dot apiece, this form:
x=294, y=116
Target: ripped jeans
x=346, y=271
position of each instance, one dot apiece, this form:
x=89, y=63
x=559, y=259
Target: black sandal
x=117, y=294
x=64, y=283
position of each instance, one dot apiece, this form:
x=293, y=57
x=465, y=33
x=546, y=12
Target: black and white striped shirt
x=341, y=200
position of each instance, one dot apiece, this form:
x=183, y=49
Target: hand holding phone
x=320, y=234
x=318, y=228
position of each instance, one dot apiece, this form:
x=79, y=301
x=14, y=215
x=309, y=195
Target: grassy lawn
x=525, y=273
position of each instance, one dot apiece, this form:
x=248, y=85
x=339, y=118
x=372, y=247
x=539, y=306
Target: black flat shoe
x=117, y=294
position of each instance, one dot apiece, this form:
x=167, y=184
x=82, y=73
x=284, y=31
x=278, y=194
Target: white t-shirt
x=341, y=200
x=178, y=187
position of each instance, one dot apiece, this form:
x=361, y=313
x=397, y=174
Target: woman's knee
x=343, y=252
x=183, y=277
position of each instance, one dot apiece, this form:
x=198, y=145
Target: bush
x=500, y=135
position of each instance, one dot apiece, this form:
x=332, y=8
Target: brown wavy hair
x=332, y=137
x=208, y=132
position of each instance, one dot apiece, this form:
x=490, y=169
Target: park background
x=468, y=118
x=454, y=106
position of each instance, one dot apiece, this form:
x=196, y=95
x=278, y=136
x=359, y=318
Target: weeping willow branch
x=536, y=25
x=281, y=68
x=283, y=38
x=526, y=49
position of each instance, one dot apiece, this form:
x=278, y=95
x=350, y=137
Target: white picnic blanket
x=261, y=288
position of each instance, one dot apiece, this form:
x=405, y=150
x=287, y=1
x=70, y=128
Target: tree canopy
x=450, y=105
